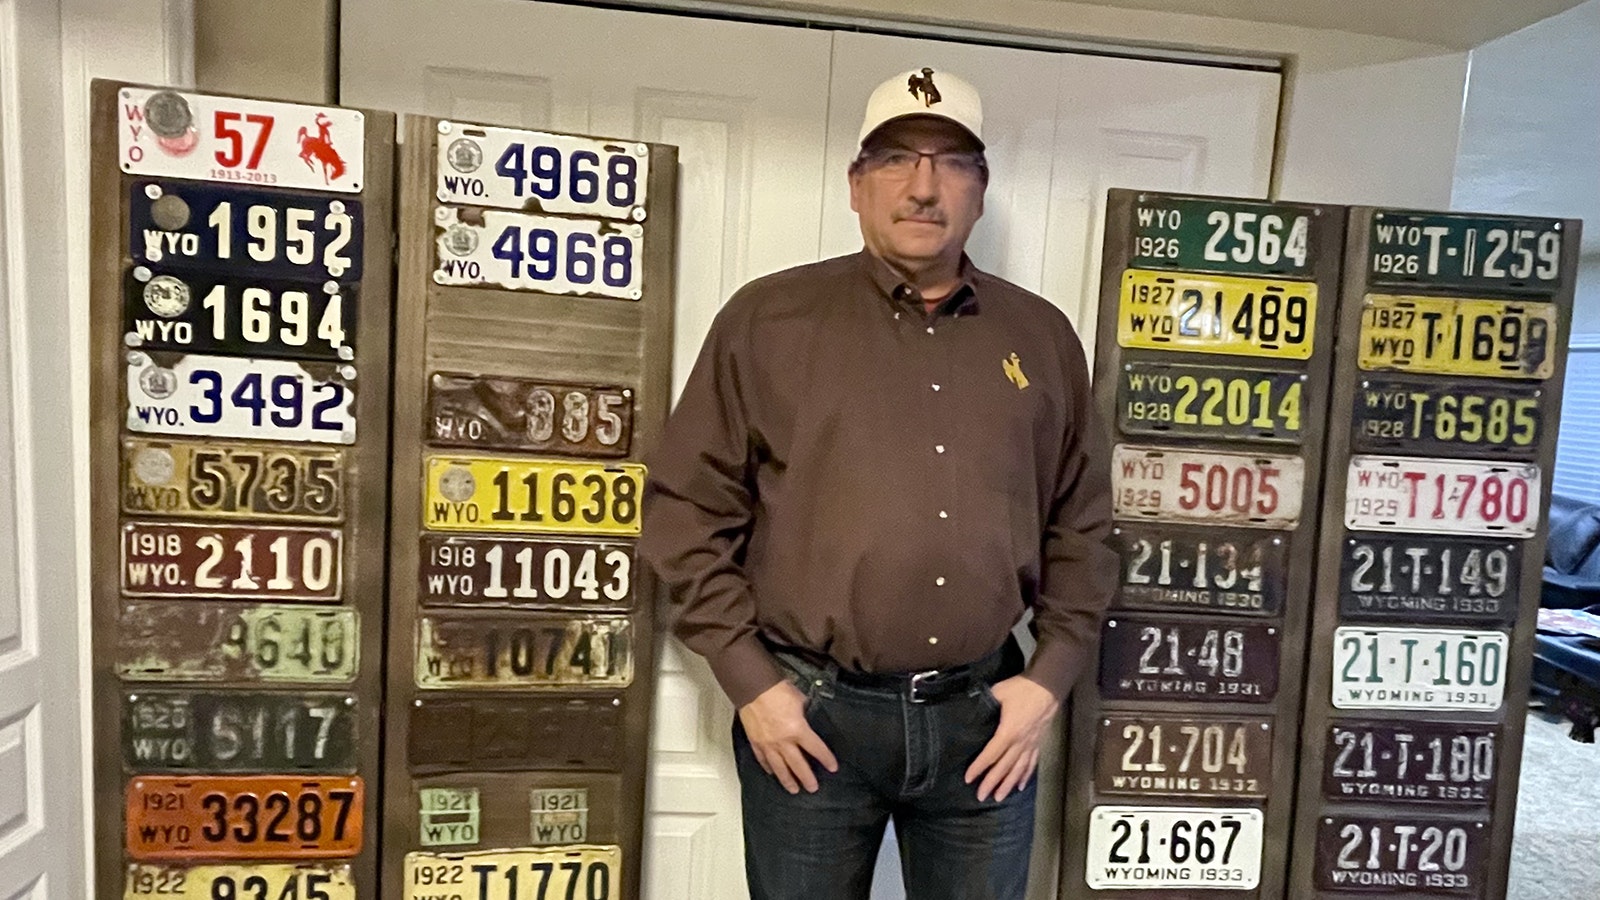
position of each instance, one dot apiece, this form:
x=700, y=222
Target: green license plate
x=1222, y=236
x=1465, y=251
x=1210, y=401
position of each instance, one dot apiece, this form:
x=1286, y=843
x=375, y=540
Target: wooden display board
x=1446, y=403
x=239, y=379
x=1211, y=368
x=532, y=370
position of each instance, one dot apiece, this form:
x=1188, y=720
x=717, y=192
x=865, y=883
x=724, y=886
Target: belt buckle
x=917, y=681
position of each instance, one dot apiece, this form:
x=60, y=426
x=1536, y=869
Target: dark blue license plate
x=245, y=316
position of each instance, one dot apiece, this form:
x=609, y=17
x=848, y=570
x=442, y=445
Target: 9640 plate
x=243, y=817
x=232, y=481
x=241, y=316
x=524, y=414
x=1465, y=251
x=1410, y=762
x=1450, y=496
x=1401, y=854
x=1223, y=570
x=1178, y=756
x=233, y=397
x=1500, y=420
x=521, y=572
x=524, y=652
x=248, y=233
x=238, y=731
x=1133, y=847
x=516, y=732
x=1148, y=658
x=1419, y=668
x=532, y=496
x=536, y=171
x=195, y=640
x=213, y=881
x=1456, y=336
x=1216, y=314
x=1208, y=235
x=521, y=252
x=584, y=870
x=262, y=562
x=1210, y=402
x=1207, y=486
x=1429, y=579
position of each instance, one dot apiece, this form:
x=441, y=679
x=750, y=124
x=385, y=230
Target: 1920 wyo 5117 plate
x=536, y=171
x=238, y=731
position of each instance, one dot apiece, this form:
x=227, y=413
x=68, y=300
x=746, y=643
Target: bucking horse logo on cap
x=922, y=87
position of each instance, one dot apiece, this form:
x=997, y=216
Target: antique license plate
x=533, y=496
x=1451, y=336
x=243, y=817
x=524, y=652
x=1144, y=659
x=1133, y=847
x=1222, y=236
x=1178, y=756
x=1216, y=314
x=239, y=316
x=535, y=171
x=448, y=817
x=232, y=481
x=248, y=233
x=225, y=396
x=1401, y=493
x=230, y=139
x=558, y=815
x=236, y=642
x=1465, y=251
x=586, y=870
x=1401, y=854
x=1210, y=402
x=1207, y=486
x=1429, y=579
x=516, y=733
x=1419, y=417
x=522, y=572
x=216, y=881
x=238, y=731
x=256, y=562
x=522, y=252
x=1410, y=762
x=1419, y=668
x=523, y=414
x=1224, y=570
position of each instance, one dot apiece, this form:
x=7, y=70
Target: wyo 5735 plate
x=1454, y=336
x=508, y=571
x=1410, y=762
x=1419, y=668
x=1412, y=578
x=1216, y=314
x=1132, y=847
x=1465, y=251
x=1152, y=658
x=535, y=171
x=215, y=881
x=1207, y=486
x=1180, y=756
x=238, y=731
x=243, y=817
x=532, y=496
x=581, y=870
x=1450, y=496
x=522, y=252
x=226, y=396
x=244, y=316
x=1414, y=854
x=524, y=414
x=232, y=481
x=248, y=233
x=516, y=732
x=1223, y=570
x=1422, y=416
x=1210, y=401
x=1209, y=235
x=236, y=642
x=257, y=562
x=524, y=651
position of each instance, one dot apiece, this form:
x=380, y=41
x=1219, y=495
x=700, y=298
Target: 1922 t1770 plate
x=1133, y=847
x=1450, y=496
x=1207, y=486
x=1170, y=400
x=1458, y=336
x=220, y=881
x=516, y=732
x=1419, y=668
x=524, y=651
x=247, y=316
x=1179, y=756
x=258, y=562
x=1217, y=314
x=525, y=414
x=521, y=252
x=238, y=731
x=196, y=640
x=507, y=571
x=1413, y=854
x=1146, y=658
x=174, y=817
x=1465, y=251
x=1209, y=235
x=1414, y=578
x=234, y=397
x=580, y=870
x=1223, y=570
x=536, y=171
x=1410, y=762
x=232, y=481
x=532, y=496
x=1418, y=416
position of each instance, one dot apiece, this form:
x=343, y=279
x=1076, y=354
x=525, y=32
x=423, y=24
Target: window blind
x=1578, y=443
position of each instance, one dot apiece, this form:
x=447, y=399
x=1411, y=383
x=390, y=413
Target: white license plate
x=1419, y=668
x=541, y=253
x=238, y=141
x=536, y=171
x=1442, y=496
x=1133, y=847
x=1210, y=486
x=227, y=396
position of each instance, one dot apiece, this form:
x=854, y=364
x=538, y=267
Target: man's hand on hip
x=775, y=723
x=1012, y=754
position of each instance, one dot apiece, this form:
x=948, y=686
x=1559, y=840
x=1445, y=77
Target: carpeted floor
x=1556, y=851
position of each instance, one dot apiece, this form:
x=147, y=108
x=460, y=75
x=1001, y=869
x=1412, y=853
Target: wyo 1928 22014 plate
x=1135, y=847
x=1156, y=658
x=522, y=252
x=258, y=562
x=580, y=870
x=1458, y=336
x=1180, y=756
x=177, y=817
x=1503, y=420
x=1211, y=487
x=248, y=316
x=1417, y=578
x=1410, y=762
x=197, y=640
x=232, y=481
x=536, y=171
x=238, y=731
x=1419, y=668
x=239, y=881
x=532, y=496
x=524, y=414
x=1172, y=400
x=510, y=571
x=1238, y=571
x=1448, y=496
x=524, y=651
x=1416, y=854
x=234, y=397
x=1465, y=251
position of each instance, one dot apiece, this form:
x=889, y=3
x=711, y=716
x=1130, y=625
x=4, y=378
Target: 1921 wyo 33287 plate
x=232, y=481
x=535, y=171
x=175, y=817
x=234, y=397
x=524, y=414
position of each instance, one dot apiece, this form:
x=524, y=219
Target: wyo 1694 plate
x=1450, y=496
x=1456, y=336
x=516, y=732
x=524, y=414
x=238, y=731
x=174, y=817
x=1420, y=416
x=1465, y=251
x=1419, y=668
x=1410, y=762
x=532, y=496
x=234, y=397
x=525, y=651
x=238, y=316
x=535, y=171
x=1209, y=235
x=258, y=562
x=1178, y=756
x=1413, y=578
x=1223, y=570
x=249, y=233
x=240, y=881
x=232, y=481
x=194, y=640
x=1170, y=400
x=1133, y=847
x=1207, y=486
x=1216, y=314
x=578, y=871
x=1408, y=854
x=522, y=252
x=1152, y=658
x=510, y=571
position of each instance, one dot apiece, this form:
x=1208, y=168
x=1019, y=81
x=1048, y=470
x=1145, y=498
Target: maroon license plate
x=508, y=571
x=524, y=414
x=1410, y=762
x=1158, y=658
x=1237, y=571
x=1175, y=756
x=261, y=562
x=1401, y=854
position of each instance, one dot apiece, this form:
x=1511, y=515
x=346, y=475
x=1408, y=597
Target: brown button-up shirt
x=848, y=474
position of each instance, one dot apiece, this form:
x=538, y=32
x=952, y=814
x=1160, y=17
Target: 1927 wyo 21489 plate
x=1207, y=486
x=196, y=640
x=185, y=226
x=1415, y=578
x=1402, y=493
x=524, y=414
x=1217, y=314
x=1401, y=854
x=522, y=252
x=1410, y=762
x=174, y=817
x=1210, y=402
x=246, y=316
x=1457, y=336
x=219, y=881
x=225, y=396
x=1502, y=420
x=532, y=496
x=535, y=171
x=1210, y=235
x=1463, y=251
x=238, y=731
x=1419, y=668
x=1132, y=847
x=1144, y=658
x=541, y=650
x=232, y=481
x=1178, y=756
x=584, y=870
x=516, y=732
x=1223, y=570
x=522, y=572
x=258, y=562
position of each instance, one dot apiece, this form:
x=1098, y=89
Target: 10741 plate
x=1419, y=668
x=579, y=870
x=232, y=481
x=1449, y=496
x=1414, y=578
x=1178, y=756
x=1410, y=762
x=526, y=651
x=1133, y=847
x=196, y=640
x=521, y=572
x=1499, y=420
x=1217, y=314
x=177, y=817
x=256, y=562
x=1164, y=399
x=1458, y=336
x=201, y=313
x=238, y=731
x=249, y=233
x=516, y=732
x=234, y=397
x=1221, y=570
x=211, y=881
x=521, y=252
x=1401, y=854
x=524, y=414
x=1207, y=486
x=532, y=496
x=1209, y=235
x=1150, y=658
x=1459, y=251
x=536, y=171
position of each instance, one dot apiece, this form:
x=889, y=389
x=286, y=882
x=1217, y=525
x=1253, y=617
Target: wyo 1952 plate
x=1465, y=251
x=175, y=817
x=1414, y=854
x=1450, y=496
x=1419, y=668
x=522, y=252
x=1223, y=570
x=521, y=572
x=536, y=171
x=1133, y=847
x=1209, y=235
x=516, y=732
x=532, y=496
x=1179, y=756
x=249, y=233
x=583, y=870
x=1419, y=416
x=1412, y=578
x=195, y=640
x=1151, y=658
x=1216, y=314
x=1455, y=336
x=232, y=481
x=524, y=414
x=1172, y=400
x=240, y=881
x=1207, y=486
x=239, y=316
x=257, y=562
x=234, y=397
x=525, y=651
x=1410, y=762
x=238, y=731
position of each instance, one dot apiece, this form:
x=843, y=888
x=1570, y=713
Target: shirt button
x=936, y=387
x=943, y=514
x=897, y=315
x=930, y=329
x=933, y=640
x=938, y=448
x=939, y=581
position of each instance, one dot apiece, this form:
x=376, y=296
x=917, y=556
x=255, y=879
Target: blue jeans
x=898, y=760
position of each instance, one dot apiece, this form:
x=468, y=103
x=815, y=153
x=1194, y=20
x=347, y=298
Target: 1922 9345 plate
x=1133, y=847
x=176, y=817
x=532, y=496
x=234, y=397
x=205, y=641
x=523, y=651
x=536, y=171
x=1411, y=853
x=1207, y=486
x=581, y=870
x=524, y=414
x=1448, y=496
x=232, y=481
x=521, y=252
x=260, y=562
x=226, y=881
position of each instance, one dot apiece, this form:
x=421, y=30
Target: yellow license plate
x=1448, y=336
x=239, y=882
x=532, y=496
x=583, y=870
x=1216, y=314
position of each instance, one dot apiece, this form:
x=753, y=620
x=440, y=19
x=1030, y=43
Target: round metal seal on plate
x=465, y=155
x=169, y=212
x=154, y=466
x=460, y=240
x=168, y=114
x=166, y=296
x=457, y=484
x=158, y=383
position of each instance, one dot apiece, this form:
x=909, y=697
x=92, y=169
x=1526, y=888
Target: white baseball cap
x=925, y=92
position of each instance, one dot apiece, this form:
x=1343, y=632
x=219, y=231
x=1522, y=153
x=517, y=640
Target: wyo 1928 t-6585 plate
x=248, y=233
x=1185, y=569
x=1207, y=486
x=569, y=732
x=521, y=252
x=525, y=651
x=1465, y=252
x=1419, y=668
x=232, y=481
x=225, y=881
x=1170, y=400
x=1209, y=235
x=1181, y=756
x=237, y=397
x=1410, y=762
x=508, y=571
x=1471, y=418
x=532, y=496
x=580, y=870
x=244, y=316
x=1413, y=854
x=238, y=731
x=1449, y=496
x=1147, y=847
x=1414, y=578
x=535, y=171
x=1458, y=336
x=1224, y=314
x=257, y=562
x=193, y=640
x=1154, y=658
x=524, y=414
x=176, y=817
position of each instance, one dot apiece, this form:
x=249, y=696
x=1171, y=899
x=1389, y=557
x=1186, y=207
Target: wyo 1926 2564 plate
x=1171, y=400
x=258, y=562
x=501, y=413
x=509, y=571
x=1449, y=496
x=236, y=397
x=246, y=316
x=232, y=481
x=1181, y=756
x=177, y=817
x=238, y=731
x=1415, y=578
x=521, y=252
x=1465, y=251
x=532, y=496
x=1212, y=487
x=525, y=651
x=1468, y=418
x=516, y=732
x=227, y=881
x=582, y=870
x=1419, y=668
x=1149, y=658
x=1225, y=314
x=1137, y=847
x=535, y=171
x=1413, y=853
x=1458, y=336
x=188, y=226
x=1410, y=762
x=196, y=640
x=1210, y=235
x=1224, y=570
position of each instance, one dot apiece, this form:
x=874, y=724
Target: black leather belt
x=923, y=686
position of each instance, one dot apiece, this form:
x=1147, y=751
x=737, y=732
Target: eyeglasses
x=900, y=162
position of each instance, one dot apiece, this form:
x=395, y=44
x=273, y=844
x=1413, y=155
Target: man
x=879, y=462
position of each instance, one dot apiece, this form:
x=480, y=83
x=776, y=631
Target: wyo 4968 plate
x=1207, y=486
x=241, y=316
x=1216, y=314
x=243, y=817
x=578, y=871
x=1132, y=847
x=1210, y=402
x=1419, y=668
x=248, y=233
x=257, y=562
x=1450, y=496
x=1456, y=336
x=532, y=496
x=524, y=414
x=522, y=252
x=226, y=396
x=216, y=881
x=196, y=640
x=535, y=171
x=455, y=650
x=232, y=481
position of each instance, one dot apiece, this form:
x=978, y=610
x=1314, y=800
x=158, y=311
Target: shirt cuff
x=1055, y=667
x=745, y=670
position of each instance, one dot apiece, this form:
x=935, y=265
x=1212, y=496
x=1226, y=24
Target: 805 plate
x=524, y=414
x=1211, y=402
x=232, y=481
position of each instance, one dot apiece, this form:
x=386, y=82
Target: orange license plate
x=243, y=817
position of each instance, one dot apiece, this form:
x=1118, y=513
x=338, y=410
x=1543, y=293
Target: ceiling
x=1460, y=24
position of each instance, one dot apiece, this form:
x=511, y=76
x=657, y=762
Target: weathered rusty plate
x=274, y=881
x=1409, y=853
x=500, y=413
x=524, y=651
x=256, y=562
x=238, y=731
x=1211, y=487
x=587, y=870
x=516, y=733
x=1178, y=756
x=508, y=571
x=532, y=496
x=1175, y=568
x=1151, y=658
x=232, y=481
x=1421, y=579
x=1410, y=762
x=243, y=817
x=164, y=640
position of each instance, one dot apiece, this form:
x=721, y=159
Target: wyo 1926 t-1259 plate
x=524, y=651
x=1171, y=400
x=510, y=571
x=258, y=562
x=226, y=881
x=238, y=397
x=535, y=171
x=1211, y=235
x=1458, y=336
x=521, y=252
x=583, y=870
x=176, y=817
x=235, y=315
x=1465, y=251
x=532, y=496
x=1211, y=487
x=1224, y=570
x=1410, y=762
x=197, y=640
x=238, y=731
x=524, y=414
x=1146, y=658
x=1415, y=578
x=232, y=481
x=1471, y=418
x=1224, y=314
x=516, y=732
x=1413, y=854
x=1180, y=756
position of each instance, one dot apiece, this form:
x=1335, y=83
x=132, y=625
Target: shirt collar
x=899, y=293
